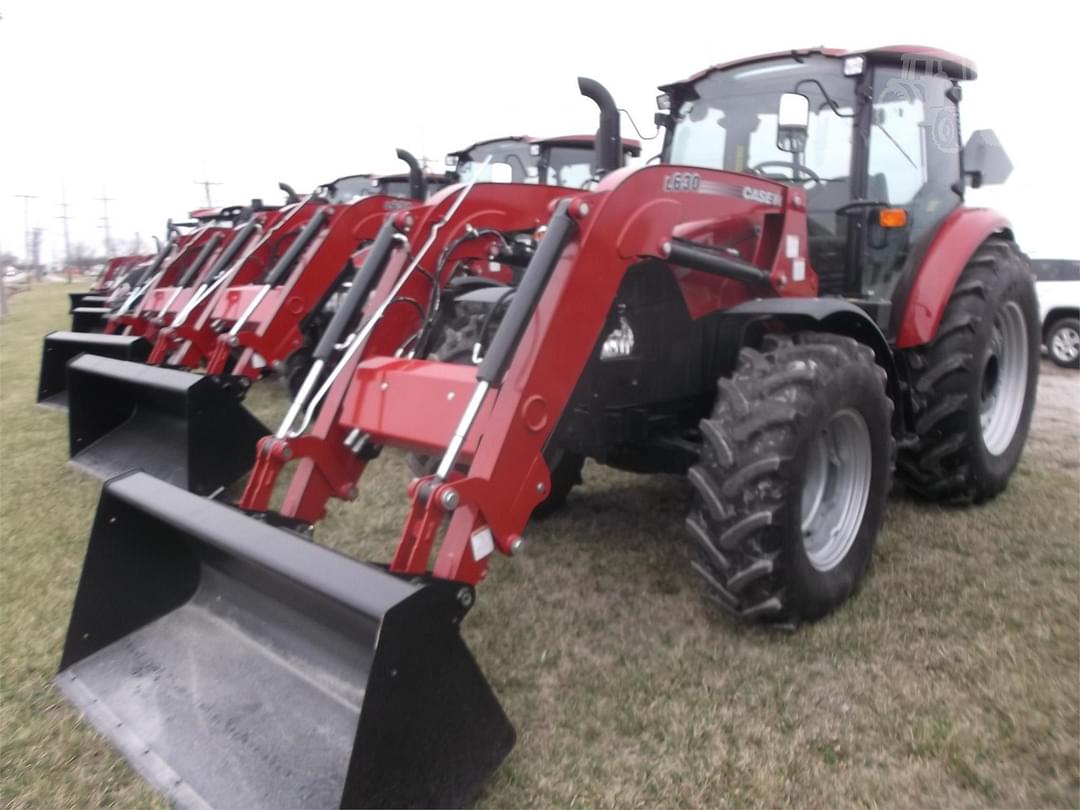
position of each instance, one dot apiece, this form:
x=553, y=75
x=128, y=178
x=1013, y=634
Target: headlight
x=620, y=343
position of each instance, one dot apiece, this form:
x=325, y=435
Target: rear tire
x=973, y=386
x=1063, y=342
x=795, y=469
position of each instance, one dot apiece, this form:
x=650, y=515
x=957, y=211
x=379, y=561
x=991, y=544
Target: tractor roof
x=953, y=65
x=431, y=177
x=630, y=146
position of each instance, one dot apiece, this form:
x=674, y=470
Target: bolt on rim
x=1066, y=344
x=1004, y=382
x=837, y=489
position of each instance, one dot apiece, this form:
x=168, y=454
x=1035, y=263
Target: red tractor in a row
x=791, y=305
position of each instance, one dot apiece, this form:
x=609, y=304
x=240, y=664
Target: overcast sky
x=146, y=98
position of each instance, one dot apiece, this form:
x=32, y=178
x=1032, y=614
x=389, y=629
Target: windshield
x=729, y=122
x=514, y=153
x=568, y=166
x=349, y=189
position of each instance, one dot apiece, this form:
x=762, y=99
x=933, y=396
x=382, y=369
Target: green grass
x=952, y=679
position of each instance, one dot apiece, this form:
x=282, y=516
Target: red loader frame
x=327, y=466
x=238, y=258
x=264, y=319
x=135, y=316
x=501, y=423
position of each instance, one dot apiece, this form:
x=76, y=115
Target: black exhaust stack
x=417, y=180
x=290, y=193
x=235, y=664
x=609, y=154
x=191, y=430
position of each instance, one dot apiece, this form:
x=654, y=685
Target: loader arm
x=325, y=467
x=189, y=336
x=137, y=319
x=273, y=330
x=629, y=218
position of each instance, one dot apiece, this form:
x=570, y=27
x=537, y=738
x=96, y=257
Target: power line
x=206, y=188
x=26, y=198
x=105, y=199
x=65, y=217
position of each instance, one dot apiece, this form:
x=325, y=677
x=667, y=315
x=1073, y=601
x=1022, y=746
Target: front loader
x=192, y=429
x=761, y=313
x=88, y=309
x=130, y=418
x=130, y=324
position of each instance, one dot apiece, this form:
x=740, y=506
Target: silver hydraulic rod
x=169, y=303
x=249, y=310
x=206, y=290
x=137, y=293
x=301, y=397
x=453, y=450
x=258, y=299
x=361, y=336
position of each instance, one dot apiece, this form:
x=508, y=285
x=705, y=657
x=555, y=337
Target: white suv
x=1057, y=281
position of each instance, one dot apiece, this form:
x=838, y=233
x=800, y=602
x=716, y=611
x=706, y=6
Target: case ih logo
x=691, y=181
x=760, y=195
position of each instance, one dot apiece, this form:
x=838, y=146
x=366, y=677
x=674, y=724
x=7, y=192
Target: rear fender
x=921, y=303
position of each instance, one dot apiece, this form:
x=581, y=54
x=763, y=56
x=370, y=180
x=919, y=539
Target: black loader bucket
x=60, y=347
x=85, y=299
x=188, y=429
x=89, y=318
x=235, y=664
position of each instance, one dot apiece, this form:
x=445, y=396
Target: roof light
x=853, y=65
x=534, y=149
x=663, y=102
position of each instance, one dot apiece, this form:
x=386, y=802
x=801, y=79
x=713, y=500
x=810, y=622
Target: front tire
x=795, y=469
x=973, y=386
x=1063, y=342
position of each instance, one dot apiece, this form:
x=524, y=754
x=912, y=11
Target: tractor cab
x=355, y=187
x=873, y=139
x=568, y=161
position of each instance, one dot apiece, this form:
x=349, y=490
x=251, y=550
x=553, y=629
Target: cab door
x=913, y=178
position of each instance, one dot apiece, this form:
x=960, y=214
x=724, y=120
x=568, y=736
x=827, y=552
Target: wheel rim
x=837, y=489
x=1004, y=379
x=1066, y=344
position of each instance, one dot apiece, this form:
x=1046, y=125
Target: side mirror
x=985, y=161
x=792, y=122
x=502, y=173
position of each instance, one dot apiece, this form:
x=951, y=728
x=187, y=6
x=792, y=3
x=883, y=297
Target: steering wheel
x=796, y=170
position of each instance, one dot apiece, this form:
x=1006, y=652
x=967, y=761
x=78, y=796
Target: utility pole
x=105, y=199
x=206, y=188
x=67, y=235
x=26, y=198
x=35, y=247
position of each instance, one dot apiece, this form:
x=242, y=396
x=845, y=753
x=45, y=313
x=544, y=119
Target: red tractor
x=793, y=302
x=260, y=310
x=116, y=269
